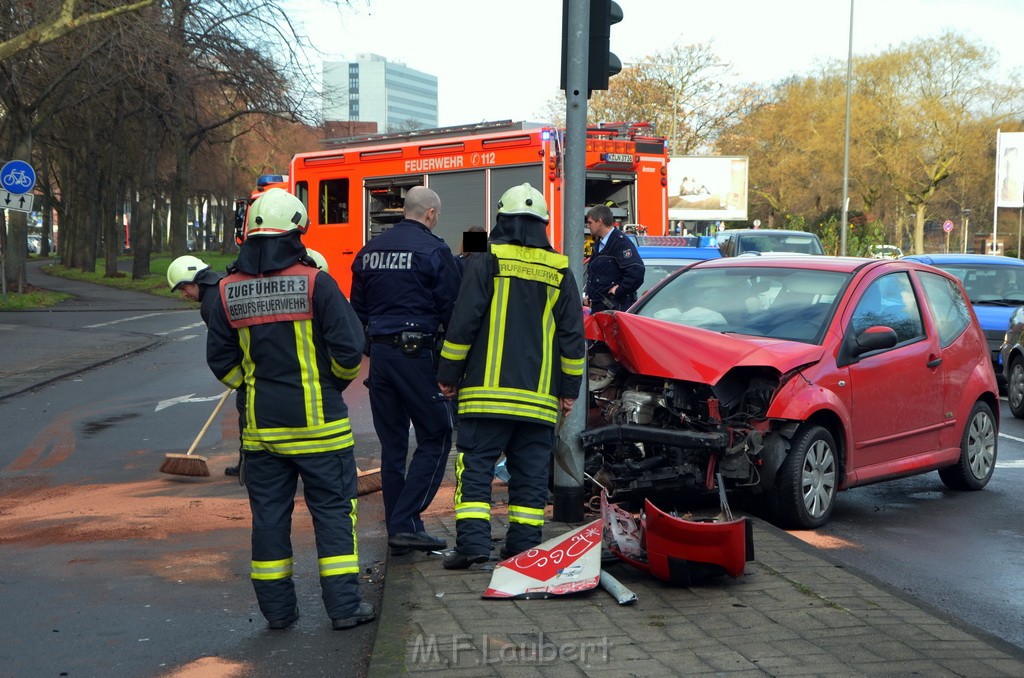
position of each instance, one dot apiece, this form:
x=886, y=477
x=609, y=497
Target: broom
x=189, y=464
x=368, y=481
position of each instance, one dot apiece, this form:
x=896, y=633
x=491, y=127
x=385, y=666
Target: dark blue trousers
x=527, y=447
x=329, y=485
x=402, y=389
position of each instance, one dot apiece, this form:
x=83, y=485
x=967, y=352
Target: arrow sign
x=164, y=404
x=17, y=202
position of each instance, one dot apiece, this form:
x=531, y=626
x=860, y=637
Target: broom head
x=368, y=481
x=185, y=465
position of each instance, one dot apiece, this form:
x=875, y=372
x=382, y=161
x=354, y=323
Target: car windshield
x=990, y=284
x=780, y=242
x=778, y=302
x=655, y=272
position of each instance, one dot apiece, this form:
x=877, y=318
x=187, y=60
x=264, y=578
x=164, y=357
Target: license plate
x=618, y=157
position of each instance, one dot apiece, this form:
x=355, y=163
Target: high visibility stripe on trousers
x=272, y=569
x=525, y=515
x=467, y=509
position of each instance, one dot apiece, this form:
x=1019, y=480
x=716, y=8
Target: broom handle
x=216, y=411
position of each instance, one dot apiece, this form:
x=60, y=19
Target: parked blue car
x=662, y=260
x=995, y=285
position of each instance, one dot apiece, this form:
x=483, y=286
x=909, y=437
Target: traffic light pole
x=568, y=493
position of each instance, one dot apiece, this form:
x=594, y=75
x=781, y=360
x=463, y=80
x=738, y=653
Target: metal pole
x=995, y=201
x=568, y=493
x=846, y=144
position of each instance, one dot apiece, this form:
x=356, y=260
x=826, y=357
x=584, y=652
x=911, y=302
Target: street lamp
x=967, y=219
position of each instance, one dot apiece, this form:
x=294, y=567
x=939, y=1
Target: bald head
x=422, y=205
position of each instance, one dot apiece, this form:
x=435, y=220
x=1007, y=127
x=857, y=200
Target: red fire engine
x=355, y=189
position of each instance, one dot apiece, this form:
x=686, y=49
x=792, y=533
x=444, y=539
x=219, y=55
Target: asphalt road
x=114, y=569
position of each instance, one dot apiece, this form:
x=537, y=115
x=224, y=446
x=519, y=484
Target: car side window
x=890, y=301
x=947, y=306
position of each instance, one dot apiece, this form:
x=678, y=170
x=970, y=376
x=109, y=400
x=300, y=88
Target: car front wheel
x=806, y=483
x=977, y=452
x=1015, y=388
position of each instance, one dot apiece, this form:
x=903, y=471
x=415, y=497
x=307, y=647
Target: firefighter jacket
x=209, y=288
x=515, y=344
x=404, y=280
x=616, y=263
x=289, y=341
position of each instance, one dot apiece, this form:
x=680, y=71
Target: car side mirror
x=874, y=338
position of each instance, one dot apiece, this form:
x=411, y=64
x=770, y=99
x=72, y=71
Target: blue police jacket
x=405, y=280
x=617, y=263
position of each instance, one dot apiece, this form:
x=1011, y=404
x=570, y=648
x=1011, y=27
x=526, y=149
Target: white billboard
x=1009, y=169
x=703, y=188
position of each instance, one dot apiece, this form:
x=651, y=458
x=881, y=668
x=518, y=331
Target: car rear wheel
x=1015, y=388
x=806, y=483
x=977, y=452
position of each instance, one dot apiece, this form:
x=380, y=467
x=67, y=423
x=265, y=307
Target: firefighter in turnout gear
x=514, y=355
x=283, y=334
x=404, y=284
x=196, y=281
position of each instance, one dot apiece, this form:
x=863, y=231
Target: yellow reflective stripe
x=547, y=342
x=335, y=565
x=233, y=379
x=335, y=435
x=309, y=372
x=249, y=369
x=518, y=395
x=572, y=366
x=525, y=515
x=526, y=270
x=506, y=409
x=452, y=351
x=271, y=569
x=531, y=254
x=473, y=509
x=346, y=373
x=460, y=466
x=496, y=335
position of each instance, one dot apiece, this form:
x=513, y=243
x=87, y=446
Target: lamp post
x=967, y=219
x=846, y=144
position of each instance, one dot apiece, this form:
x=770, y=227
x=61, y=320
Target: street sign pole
x=568, y=488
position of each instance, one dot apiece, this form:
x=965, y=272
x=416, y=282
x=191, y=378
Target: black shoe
x=507, y=553
x=420, y=541
x=283, y=622
x=400, y=550
x=231, y=471
x=363, y=614
x=461, y=561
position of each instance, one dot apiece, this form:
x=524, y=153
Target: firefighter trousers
x=403, y=388
x=527, y=448
x=329, y=486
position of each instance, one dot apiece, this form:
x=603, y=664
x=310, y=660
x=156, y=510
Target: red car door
x=897, y=393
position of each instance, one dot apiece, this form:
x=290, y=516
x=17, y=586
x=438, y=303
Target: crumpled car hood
x=658, y=348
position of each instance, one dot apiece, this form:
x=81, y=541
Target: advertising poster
x=1009, y=169
x=703, y=188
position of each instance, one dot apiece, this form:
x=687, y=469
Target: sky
x=499, y=61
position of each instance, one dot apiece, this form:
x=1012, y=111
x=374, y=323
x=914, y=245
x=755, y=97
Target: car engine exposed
x=649, y=436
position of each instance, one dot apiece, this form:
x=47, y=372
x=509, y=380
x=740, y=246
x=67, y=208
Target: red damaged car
x=790, y=379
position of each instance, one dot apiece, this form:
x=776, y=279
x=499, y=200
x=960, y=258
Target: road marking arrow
x=164, y=404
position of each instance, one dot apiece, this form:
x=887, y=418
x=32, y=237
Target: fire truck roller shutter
x=504, y=178
x=463, y=204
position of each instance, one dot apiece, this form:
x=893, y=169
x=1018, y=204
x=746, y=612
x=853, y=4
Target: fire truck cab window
x=334, y=201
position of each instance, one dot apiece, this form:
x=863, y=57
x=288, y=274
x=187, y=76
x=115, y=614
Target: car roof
x=817, y=262
x=762, y=231
x=965, y=259
x=648, y=252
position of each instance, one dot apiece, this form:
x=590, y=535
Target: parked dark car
x=790, y=379
x=737, y=241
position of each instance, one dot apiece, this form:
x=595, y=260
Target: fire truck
x=355, y=188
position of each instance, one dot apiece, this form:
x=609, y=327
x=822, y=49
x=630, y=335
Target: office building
x=373, y=89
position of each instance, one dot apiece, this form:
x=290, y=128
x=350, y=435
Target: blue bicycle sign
x=17, y=177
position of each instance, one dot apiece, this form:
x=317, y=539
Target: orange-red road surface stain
x=210, y=667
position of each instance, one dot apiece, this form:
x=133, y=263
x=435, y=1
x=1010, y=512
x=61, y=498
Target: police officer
x=404, y=284
x=514, y=356
x=283, y=334
x=615, y=271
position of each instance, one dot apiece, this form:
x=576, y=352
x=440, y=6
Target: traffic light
x=602, y=63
